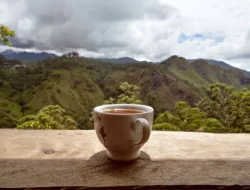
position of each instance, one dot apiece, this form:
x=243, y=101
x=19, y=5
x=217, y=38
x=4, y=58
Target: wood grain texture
x=77, y=159
x=156, y=187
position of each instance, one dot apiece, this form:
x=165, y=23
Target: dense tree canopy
x=186, y=118
x=224, y=109
x=229, y=106
x=50, y=117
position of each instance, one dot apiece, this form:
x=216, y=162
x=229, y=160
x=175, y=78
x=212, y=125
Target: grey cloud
x=93, y=25
x=121, y=10
x=45, y=12
x=21, y=44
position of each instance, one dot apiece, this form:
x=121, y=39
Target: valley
x=79, y=84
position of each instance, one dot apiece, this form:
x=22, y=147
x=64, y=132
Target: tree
x=230, y=107
x=5, y=33
x=165, y=117
x=212, y=125
x=7, y=120
x=72, y=54
x=165, y=127
x=242, y=120
x=219, y=104
x=49, y=117
x=129, y=94
x=184, y=118
x=188, y=118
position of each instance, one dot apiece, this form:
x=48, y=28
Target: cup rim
x=99, y=109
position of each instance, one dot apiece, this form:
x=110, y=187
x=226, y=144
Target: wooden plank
x=77, y=159
x=157, y=187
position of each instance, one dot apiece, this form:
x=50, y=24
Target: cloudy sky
x=144, y=29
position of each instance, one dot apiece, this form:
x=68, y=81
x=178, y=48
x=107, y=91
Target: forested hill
x=27, y=56
x=79, y=84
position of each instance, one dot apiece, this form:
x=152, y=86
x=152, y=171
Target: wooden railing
x=169, y=160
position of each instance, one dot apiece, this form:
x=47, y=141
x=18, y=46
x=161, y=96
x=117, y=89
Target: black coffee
x=123, y=111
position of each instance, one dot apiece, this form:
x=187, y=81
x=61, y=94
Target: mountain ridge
x=27, y=56
x=221, y=64
x=32, y=56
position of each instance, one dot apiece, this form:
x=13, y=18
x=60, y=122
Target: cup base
x=130, y=157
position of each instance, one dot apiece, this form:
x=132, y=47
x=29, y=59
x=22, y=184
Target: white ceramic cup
x=123, y=134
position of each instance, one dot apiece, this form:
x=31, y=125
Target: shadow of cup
x=105, y=165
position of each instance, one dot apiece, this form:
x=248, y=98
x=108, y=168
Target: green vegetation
x=186, y=118
x=50, y=117
x=224, y=109
x=229, y=106
x=179, y=91
x=129, y=94
x=5, y=33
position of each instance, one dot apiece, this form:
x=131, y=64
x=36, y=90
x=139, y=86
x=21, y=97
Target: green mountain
x=79, y=84
x=221, y=64
x=119, y=60
x=27, y=56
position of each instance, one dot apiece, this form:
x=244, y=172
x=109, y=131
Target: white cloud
x=229, y=19
x=143, y=29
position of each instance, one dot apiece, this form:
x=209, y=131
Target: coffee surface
x=123, y=111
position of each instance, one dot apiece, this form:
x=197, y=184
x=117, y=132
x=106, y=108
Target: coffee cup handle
x=142, y=125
